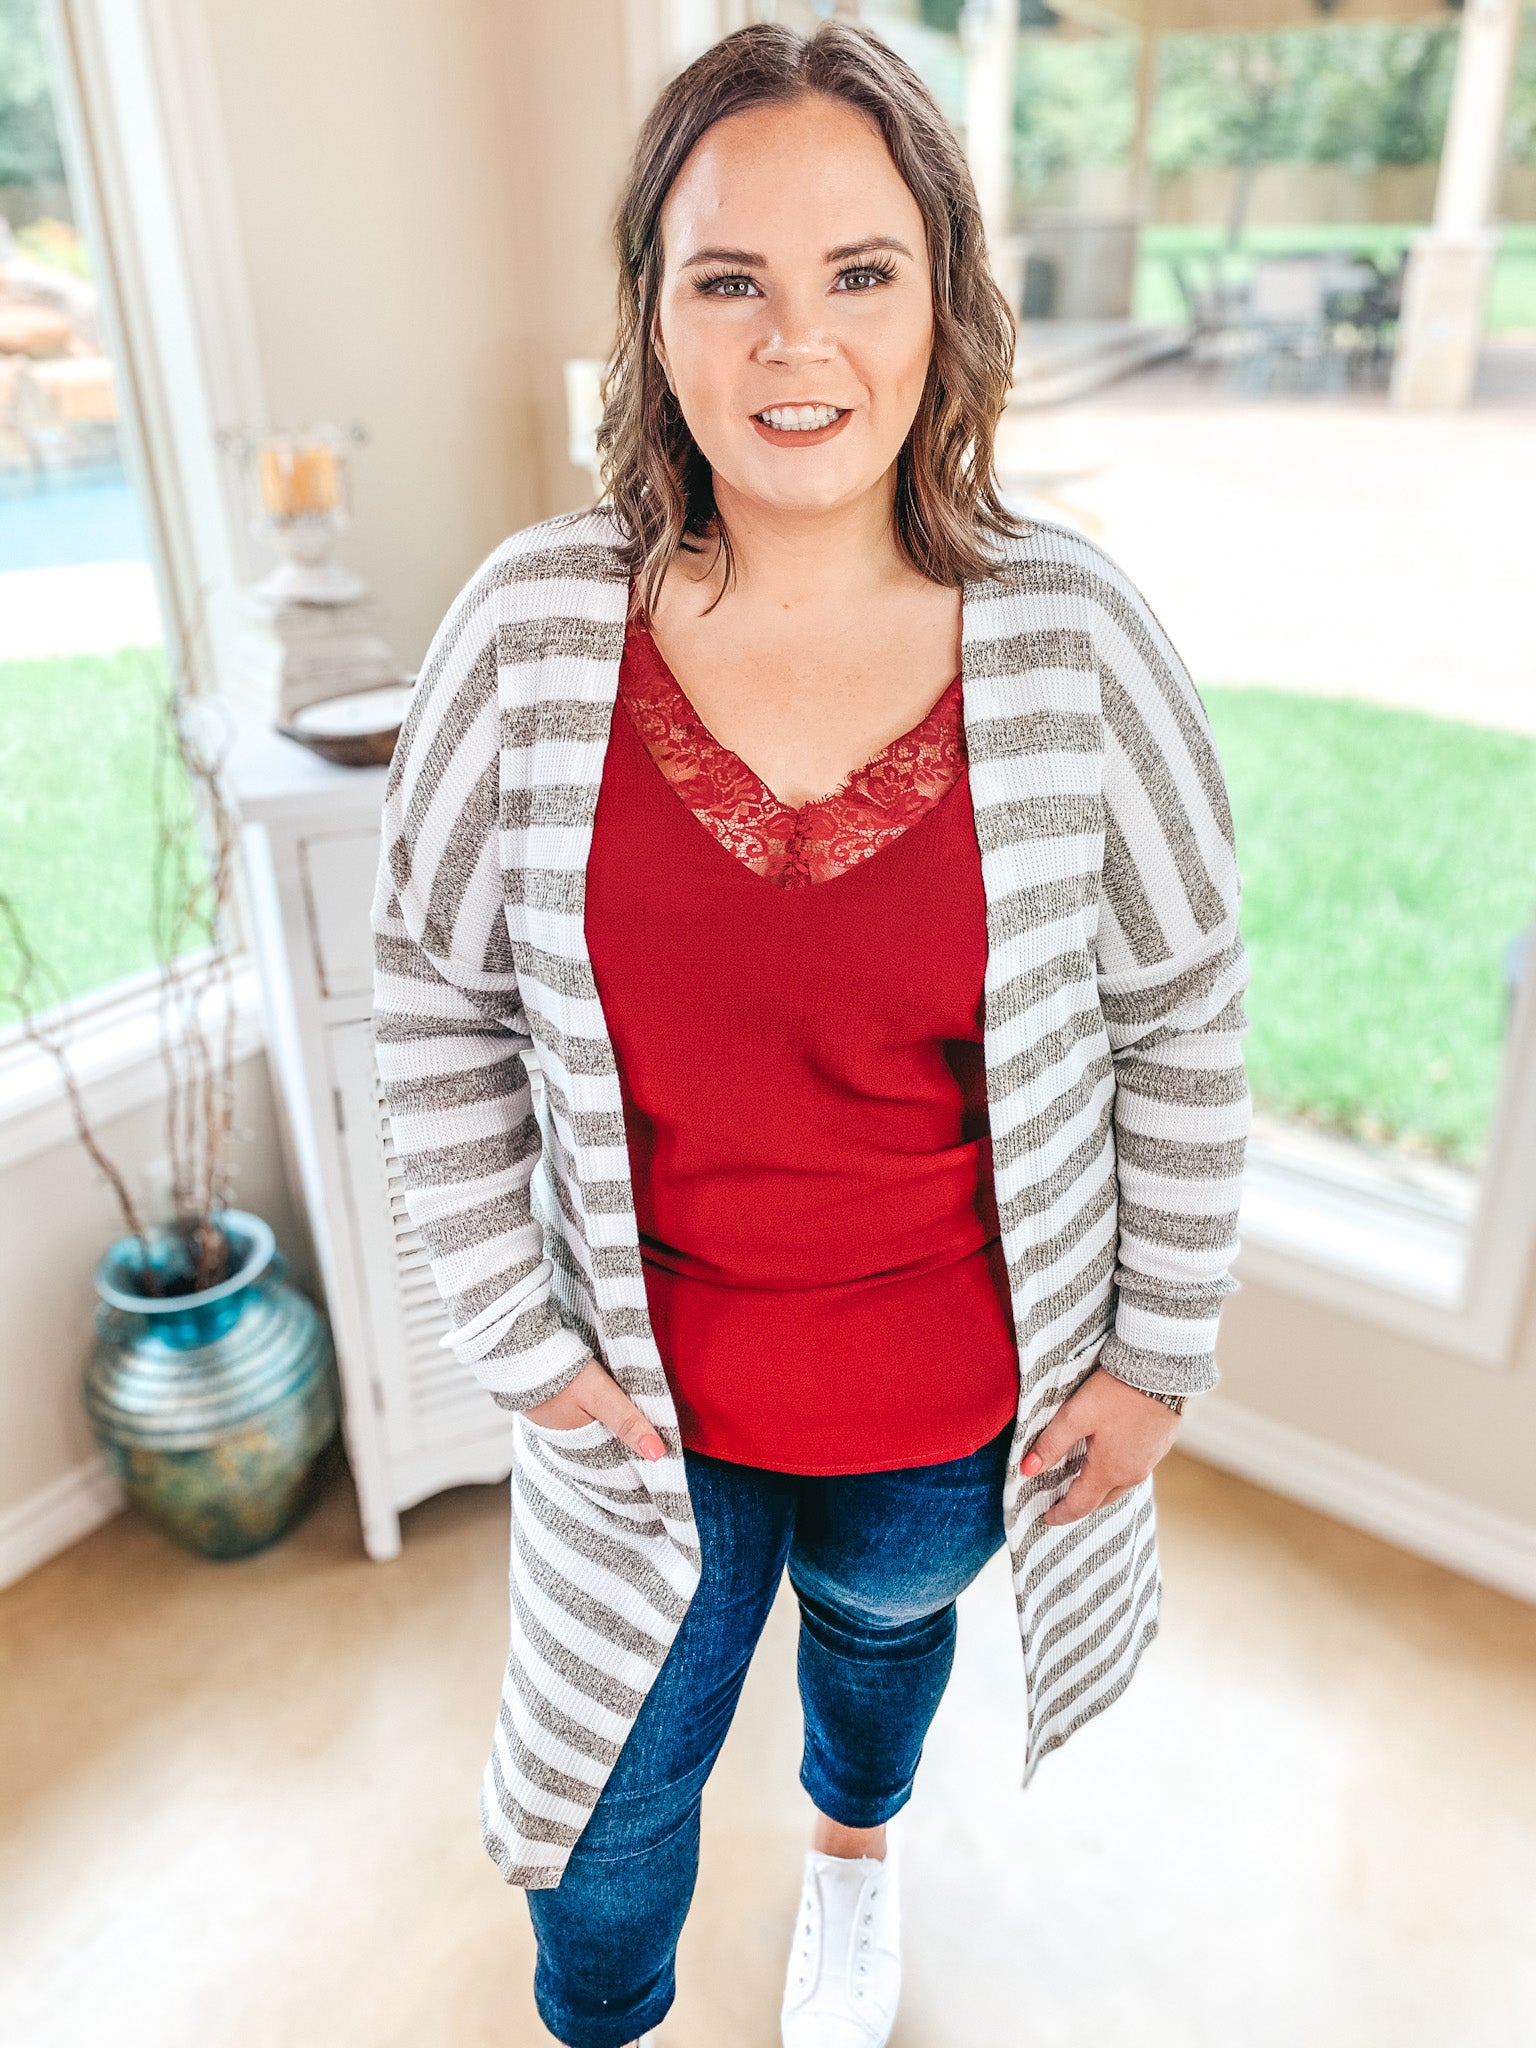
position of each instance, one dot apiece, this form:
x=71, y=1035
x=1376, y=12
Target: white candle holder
x=298, y=488
x=311, y=632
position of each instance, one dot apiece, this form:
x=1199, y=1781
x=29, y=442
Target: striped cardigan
x=1119, y=1107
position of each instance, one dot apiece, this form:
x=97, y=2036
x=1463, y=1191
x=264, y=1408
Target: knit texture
x=1117, y=1098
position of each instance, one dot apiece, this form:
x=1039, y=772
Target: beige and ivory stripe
x=1118, y=1101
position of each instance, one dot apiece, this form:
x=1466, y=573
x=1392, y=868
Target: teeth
x=800, y=419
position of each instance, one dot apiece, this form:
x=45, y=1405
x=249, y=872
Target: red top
x=795, y=1002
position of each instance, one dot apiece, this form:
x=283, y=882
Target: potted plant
x=211, y=1388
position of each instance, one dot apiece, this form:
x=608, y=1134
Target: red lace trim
x=788, y=846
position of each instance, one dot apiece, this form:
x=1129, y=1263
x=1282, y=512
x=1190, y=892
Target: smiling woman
x=857, y=862
x=865, y=226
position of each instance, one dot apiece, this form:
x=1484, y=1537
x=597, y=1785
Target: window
x=1205, y=236
x=99, y=858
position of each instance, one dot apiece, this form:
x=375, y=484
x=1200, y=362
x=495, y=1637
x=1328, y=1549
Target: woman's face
x=796, y=310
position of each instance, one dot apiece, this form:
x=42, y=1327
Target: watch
x=1173, y=1401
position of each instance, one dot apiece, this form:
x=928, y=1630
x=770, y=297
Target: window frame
x=136, y=104
x=112, y=1039
x=148, y=174
x=1292, y=1238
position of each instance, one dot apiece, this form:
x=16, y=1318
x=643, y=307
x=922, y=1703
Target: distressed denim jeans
x=876, y=1561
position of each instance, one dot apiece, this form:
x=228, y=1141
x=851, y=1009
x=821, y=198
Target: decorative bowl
x=357, y=730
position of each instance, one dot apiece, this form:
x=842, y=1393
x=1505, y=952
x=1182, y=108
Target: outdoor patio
x=1274, y=535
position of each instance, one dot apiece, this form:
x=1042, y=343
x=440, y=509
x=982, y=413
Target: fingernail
x=1032, y=1463
x=653, y=1448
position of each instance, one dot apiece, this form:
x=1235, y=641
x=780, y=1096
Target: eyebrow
x=752, y=258
x=863, y=248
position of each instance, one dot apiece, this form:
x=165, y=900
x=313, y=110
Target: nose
x=794, y=351
x=796, y=339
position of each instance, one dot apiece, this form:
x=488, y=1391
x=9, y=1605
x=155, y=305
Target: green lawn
x=1512, y=292
x=77, y=766
x=1387, y=860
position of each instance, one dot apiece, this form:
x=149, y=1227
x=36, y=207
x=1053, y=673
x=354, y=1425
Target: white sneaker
x=844, y=1976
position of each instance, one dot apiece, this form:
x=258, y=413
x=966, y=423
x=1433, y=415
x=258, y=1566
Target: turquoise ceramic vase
x=213, y=1406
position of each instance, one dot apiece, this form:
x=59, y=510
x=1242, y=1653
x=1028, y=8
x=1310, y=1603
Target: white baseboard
x=56, y=1516
x=1495, y=1549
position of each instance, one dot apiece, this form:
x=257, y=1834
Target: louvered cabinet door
x=440, y=1426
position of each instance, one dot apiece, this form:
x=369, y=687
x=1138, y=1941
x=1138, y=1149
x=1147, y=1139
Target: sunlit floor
x=239, y=1807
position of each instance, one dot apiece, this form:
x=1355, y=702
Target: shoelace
x=806, y=1928
x=807, y=1932
x=869, y=1921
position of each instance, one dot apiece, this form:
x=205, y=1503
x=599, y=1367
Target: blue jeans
x=876, y=1560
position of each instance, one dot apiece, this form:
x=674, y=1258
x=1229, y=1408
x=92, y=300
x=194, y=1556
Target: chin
x=809, y=492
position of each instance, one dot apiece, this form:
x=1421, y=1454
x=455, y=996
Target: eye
x=863, y=277
x=726, y=284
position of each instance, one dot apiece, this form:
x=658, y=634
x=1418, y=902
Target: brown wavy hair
x=654, y=474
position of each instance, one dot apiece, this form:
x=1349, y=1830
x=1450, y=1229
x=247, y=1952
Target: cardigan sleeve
x=449, y=1030
x=1171, y=973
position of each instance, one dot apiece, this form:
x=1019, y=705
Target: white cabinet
x=416, y=1420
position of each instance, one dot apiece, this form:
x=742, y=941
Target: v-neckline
x=712, y=750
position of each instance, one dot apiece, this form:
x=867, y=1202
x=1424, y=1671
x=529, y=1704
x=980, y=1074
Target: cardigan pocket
x=1070, y=1374
x=1063, y=1379
x=1054, y=1389
x=579, y=1437
x=594, y=1464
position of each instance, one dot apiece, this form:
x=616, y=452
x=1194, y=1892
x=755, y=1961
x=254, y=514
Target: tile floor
x=239, y=1807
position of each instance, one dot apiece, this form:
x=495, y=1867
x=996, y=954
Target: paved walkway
x=1335, y=546
x=78, y=608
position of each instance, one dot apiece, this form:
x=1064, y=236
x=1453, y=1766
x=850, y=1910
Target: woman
x=856, y=859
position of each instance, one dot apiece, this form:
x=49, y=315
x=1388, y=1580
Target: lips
x=799, y=419
x=800, y=426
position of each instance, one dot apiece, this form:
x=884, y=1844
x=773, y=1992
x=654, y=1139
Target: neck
x=808, y=559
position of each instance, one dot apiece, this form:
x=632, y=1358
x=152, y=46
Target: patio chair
x=1215, y=306
x=1373, y=313
x=1287, y=325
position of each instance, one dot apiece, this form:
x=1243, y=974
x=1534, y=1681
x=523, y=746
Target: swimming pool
x=82, y=515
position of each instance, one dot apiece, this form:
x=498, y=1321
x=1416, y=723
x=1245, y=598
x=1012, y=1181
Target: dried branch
x=189, y=913
x=30, y=973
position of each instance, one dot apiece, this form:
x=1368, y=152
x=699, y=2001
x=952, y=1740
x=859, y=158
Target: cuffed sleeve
x=1171, y=975
x=449, y=1031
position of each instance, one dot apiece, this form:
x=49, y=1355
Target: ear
x=661, y=357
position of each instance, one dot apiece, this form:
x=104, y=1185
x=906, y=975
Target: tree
x=29, y=136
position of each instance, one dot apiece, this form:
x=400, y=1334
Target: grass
x=1388, y=859
x=1512, y=289
x=77, y=827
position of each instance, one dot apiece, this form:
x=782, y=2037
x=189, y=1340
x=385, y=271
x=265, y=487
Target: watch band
x=1173, y=1401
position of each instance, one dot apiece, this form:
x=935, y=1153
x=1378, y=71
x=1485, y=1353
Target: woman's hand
x=596, y=1396
x=1127, y=1431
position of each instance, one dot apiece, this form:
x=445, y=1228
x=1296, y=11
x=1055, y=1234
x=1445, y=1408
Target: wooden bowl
x=356, y=730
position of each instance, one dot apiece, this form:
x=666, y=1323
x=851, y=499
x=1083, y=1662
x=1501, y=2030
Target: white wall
x=1431, y=1416
x=421, y=188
